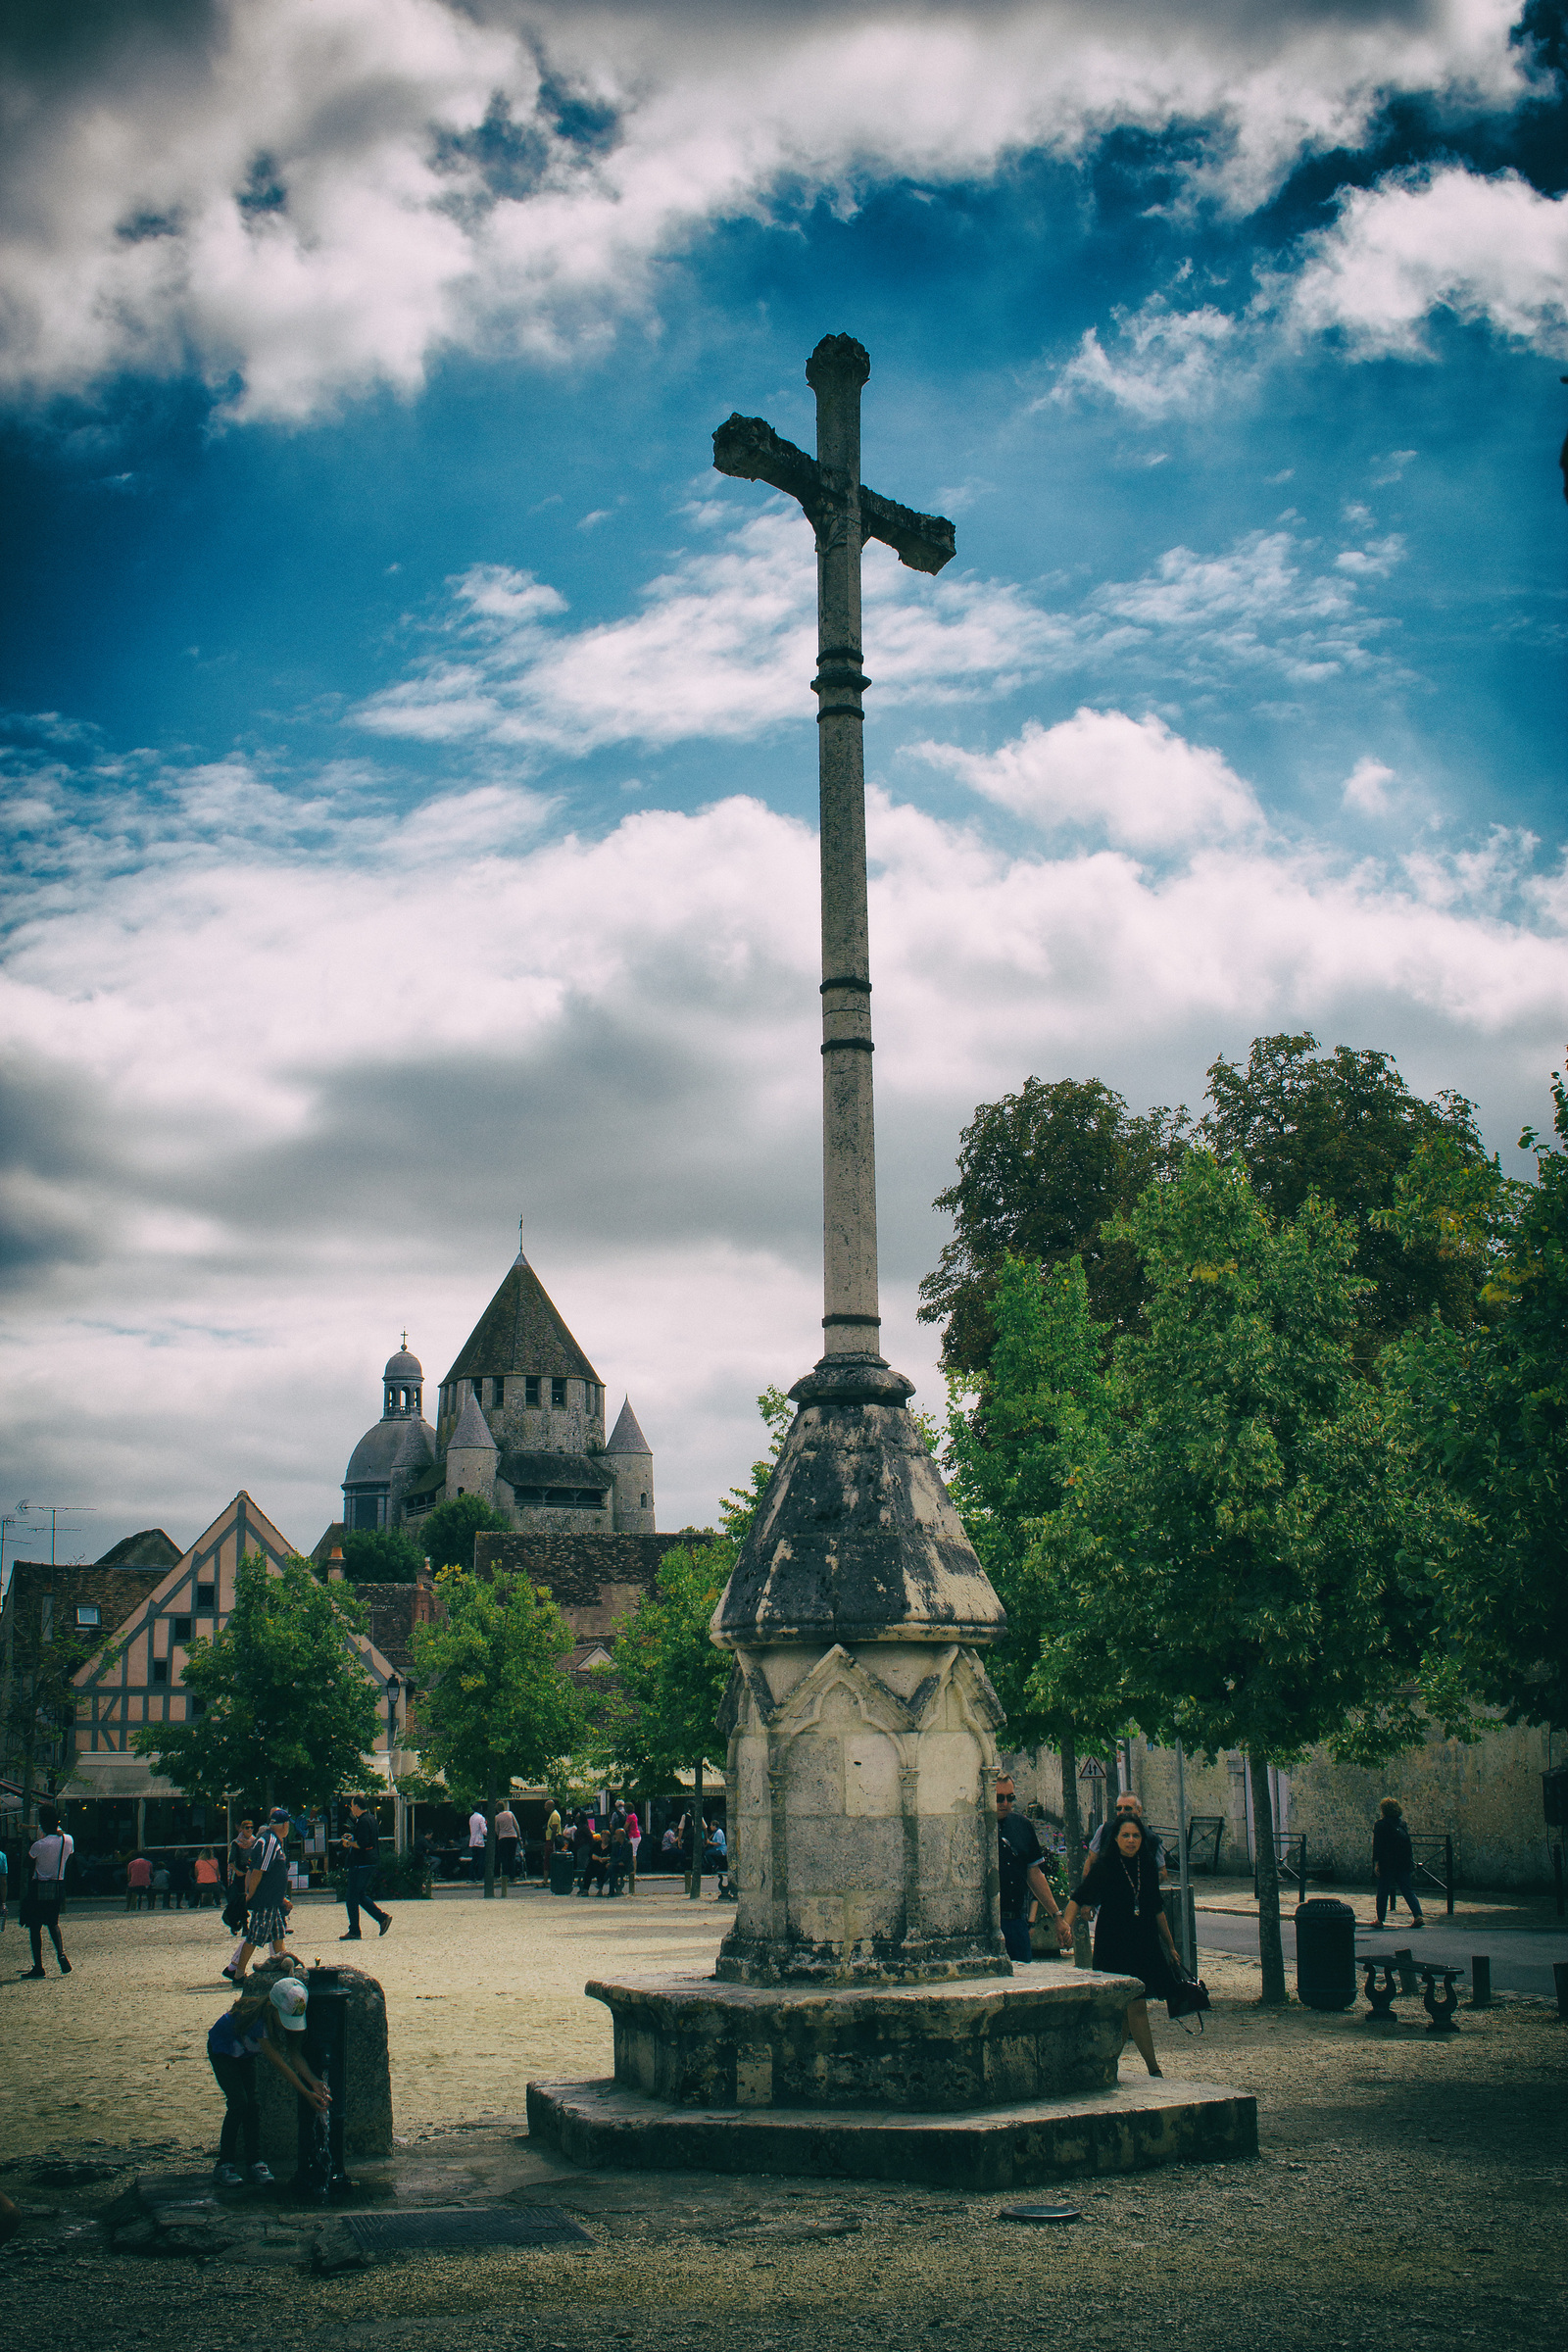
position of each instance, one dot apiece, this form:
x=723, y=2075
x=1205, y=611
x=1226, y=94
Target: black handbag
x=1188, y=1998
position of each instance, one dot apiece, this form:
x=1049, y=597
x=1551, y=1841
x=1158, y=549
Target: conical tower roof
x=627, y=1437
x=520, y=1331
x=472, y=1430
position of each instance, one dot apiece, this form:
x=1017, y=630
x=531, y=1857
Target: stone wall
x=1485, y=1793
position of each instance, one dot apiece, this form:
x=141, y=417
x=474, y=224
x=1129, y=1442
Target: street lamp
x=393, y=1690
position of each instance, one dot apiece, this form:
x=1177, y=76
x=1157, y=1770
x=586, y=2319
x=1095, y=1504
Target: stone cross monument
x=860, y=1720
x=863, y=2019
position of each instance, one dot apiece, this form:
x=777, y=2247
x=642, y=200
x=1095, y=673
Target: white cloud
x=1099, y=771
x=1163, y=359
x=1488, y=250
x=1257, y=606
x=328, y=1052
x=1365, y=786
x=300, y=199
x=724, y=646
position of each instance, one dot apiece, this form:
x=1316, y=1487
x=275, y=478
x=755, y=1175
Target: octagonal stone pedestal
x=994, y=2084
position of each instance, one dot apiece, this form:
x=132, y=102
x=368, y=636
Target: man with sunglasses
x=1021, y=1853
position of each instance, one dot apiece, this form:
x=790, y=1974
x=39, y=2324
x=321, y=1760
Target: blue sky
x=410, y=767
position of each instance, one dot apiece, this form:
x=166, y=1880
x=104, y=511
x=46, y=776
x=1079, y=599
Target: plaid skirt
x=267, y=1927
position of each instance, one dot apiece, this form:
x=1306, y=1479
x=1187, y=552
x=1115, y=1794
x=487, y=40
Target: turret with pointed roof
x=630, y=1457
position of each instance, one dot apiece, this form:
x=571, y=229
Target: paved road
x=1521, y=1957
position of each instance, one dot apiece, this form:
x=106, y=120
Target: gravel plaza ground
x=1408, y=2187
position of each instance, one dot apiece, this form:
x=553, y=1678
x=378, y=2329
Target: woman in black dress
x=1132, y=1937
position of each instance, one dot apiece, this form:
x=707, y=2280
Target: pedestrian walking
x=1021, y=1855
x=478, y=1838
x=138, y=1883
x=235, y=1908
x=634, y=1839
x=508, y=1835
x=361, y=1852
x=50, y=1856
x=182, y=1880
x=595, y=1857
x=553, y=1830
x=1127, y=1803
x=254, y=2027
x=619, y=1855
x=207, y=1880
x=266, y=1893
x=1132, y=1937
x=1394, y=1862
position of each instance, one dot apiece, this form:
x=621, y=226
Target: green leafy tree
x=1488, y=1405
x=286, y=1705
x=40, y=1702
x=1042, y=1175
x=495, y=1704
x=382, y=1556
x=669, y=1678
x=446, y=1535
x=1040, y=1420
x=1263, y=1541
x=1346, y=1126
x=739, y=1507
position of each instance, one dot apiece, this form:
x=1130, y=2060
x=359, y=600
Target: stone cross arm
x=748, y=448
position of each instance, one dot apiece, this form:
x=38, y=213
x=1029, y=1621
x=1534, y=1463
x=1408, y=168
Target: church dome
x=370, y=1462
x=405, y=1365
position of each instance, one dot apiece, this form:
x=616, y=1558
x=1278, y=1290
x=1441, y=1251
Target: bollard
x=1480, y=1980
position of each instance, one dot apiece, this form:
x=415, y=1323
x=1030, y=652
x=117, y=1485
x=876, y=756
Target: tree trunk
x=490, y=1838
x=1270, y=1950
x=1072, y=1821
x=696, y=1888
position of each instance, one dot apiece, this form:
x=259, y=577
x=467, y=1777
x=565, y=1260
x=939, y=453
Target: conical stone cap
x=854, y=1539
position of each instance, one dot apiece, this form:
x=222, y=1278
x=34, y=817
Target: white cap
x=288, y=1998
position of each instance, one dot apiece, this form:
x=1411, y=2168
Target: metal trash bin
x=561, y=1874
x=1325, y=1954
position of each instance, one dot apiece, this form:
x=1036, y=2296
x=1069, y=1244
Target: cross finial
x=405, y=1335
x=519, y=1241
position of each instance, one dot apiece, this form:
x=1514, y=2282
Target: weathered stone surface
x=854, y=1539
x=367, y=2092
x=862, y=1815
x=1121, y=2129
x=696, y=2042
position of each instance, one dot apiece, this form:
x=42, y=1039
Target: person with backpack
x=1393, y=1861
x=254, y=2027
x=50, y=1856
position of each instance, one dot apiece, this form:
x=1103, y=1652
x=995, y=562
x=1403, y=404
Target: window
x=179, y=1629
x=530, y=1389
x=88, y=1613
x=642, y=1505
x=206, y=1599
x=558, y=1396
x=497, y=1389
x=195, y=1707
x=160, y=1670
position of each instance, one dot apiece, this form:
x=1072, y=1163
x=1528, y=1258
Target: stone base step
x=1125, y=2130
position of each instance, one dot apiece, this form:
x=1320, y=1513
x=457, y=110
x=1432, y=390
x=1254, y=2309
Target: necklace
x=1133, y=1884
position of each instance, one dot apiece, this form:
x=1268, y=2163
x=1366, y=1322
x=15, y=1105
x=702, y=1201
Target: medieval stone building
x=520, y=1420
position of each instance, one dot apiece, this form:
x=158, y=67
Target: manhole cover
x=1038, y=2213
x=464, y=2226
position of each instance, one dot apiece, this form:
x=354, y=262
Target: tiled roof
x=392, y=1612
x=555, y=1470
x=577, y=1568
x=472, y=1433
x=520, y=1331
x=151, y=1548
x=115, y=1593
x=627, y=1437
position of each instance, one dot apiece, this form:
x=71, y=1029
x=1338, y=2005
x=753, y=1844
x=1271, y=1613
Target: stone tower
x=631, y=1459
x=395, y=1453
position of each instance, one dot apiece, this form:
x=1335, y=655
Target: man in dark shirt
x=362, y=1849
x=1021, y=1853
